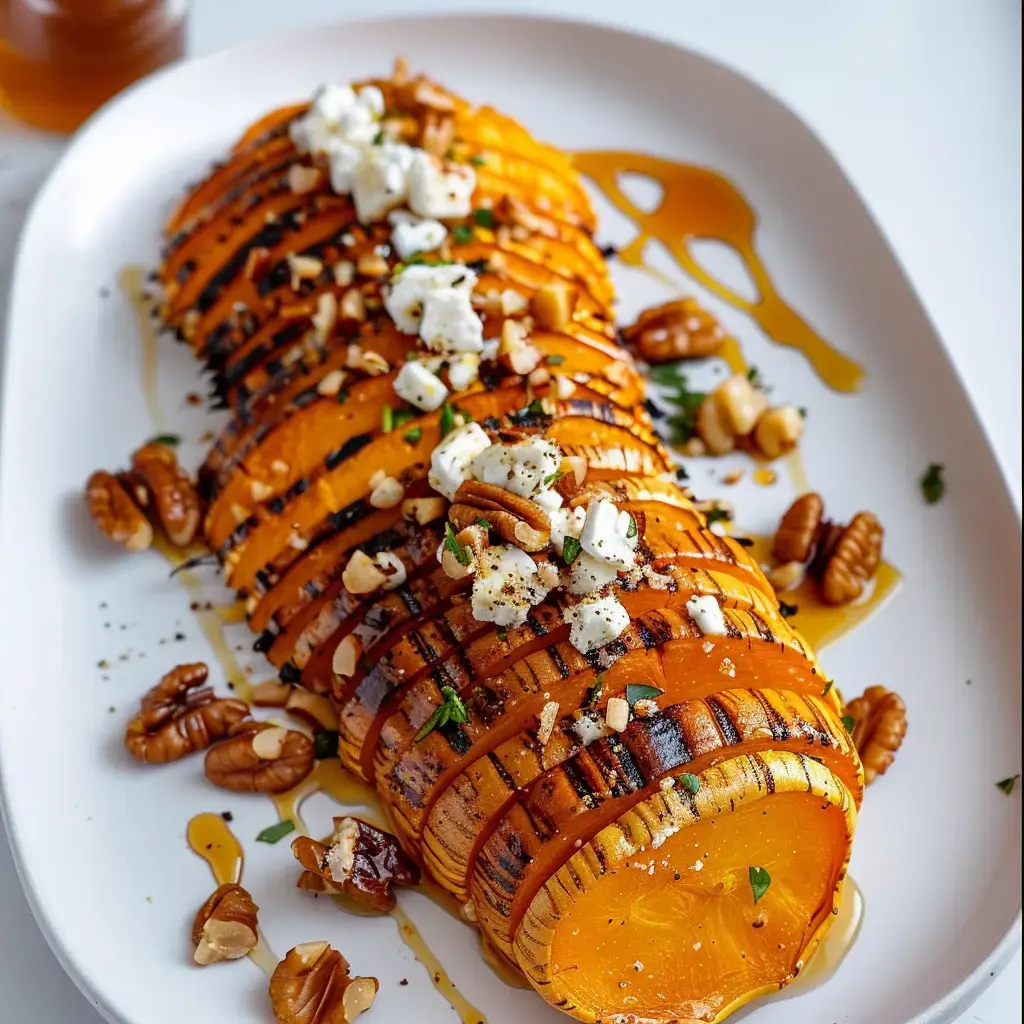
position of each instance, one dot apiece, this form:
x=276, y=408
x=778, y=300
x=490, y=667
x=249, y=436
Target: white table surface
x=921, y=102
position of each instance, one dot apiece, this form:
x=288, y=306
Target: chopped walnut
x=797, y=535
x=226, y=926
x=176, y=718
x=311, y=985
x=362, y=861
x=175, y=499
x=681, y=329
x=880, y=723
x=853, y=560
x=260, y=758
x=113, y=509
x=516, y=519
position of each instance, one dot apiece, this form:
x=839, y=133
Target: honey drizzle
x=342, y=786
x=131, y=280
x=701, y=203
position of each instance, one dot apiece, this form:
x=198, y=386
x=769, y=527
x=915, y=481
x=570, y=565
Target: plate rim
x=976, y=981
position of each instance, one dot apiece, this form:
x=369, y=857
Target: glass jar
x=61, y=59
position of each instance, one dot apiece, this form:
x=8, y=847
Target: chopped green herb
x=849, y=723
x=594, y=693
x=553, y=478
x=1007, y=785
x=413, y=436
x=447, y=420
x=378, y=139
x=168, y=440
x=803, y=412
x=452, y=710
x=681, y=474
x=828, y=687
x=484, y=523
x=325, y=744
x=933, y=486
x=421, y=261
x=462, y=234
x=555, y=360
x=759, y=882
x=387, y=419
x=477, y=161
x=754, y=376
x=640, y=691
x=571, y=550
x=631, y=530
x=502, y=633
x=484, y=217
x=690, y=783
x=536, y=408
x=276, y=832
x=717, y=515
x=787, y=611
x=462, y=554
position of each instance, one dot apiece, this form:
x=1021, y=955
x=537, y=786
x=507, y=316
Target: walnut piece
x=880, y=723
x=680, y=329
x=798, y=531
x=179, y=716
x=225, y=926
x=113, y=509
x=853, y=560
x=361, y=861
x=175, y=499
x=311, y=985
x=260, y=758
x=514, y=518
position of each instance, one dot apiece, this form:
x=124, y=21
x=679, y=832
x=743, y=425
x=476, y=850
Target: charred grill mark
x=780, y=730
x=647, y=637
x=502, y=772
x=628, y=777
x=728, y=727
x=556, y=656
x=349, y=448
x=663, y=743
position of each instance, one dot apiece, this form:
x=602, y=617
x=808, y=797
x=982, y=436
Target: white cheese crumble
x=550, y=501
x=588, y=574
x=606, y=534
x=522, y=467
x=707, y=613
x=595, y=621
x=338, y=113
x=506, y=586
x=411, y=235
x=450, y=460
x=546, y=721
x=408, y=291
x=463, y=370
x=419, y=387
x=450, y=323
x=379, y=182
x=590, y=727
x=440, y=191
x=565, y=523
x=395, y=567
x=341, y=857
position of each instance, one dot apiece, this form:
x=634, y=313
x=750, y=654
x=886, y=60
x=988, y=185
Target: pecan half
x=311, y=985
x=514, y=518
x=112, y=508
x=681, y=329
x=175, y=499
x=880, y=723
x=361, y=861
x=797, y=535
x=260, y=758
x=853, y=560
x=225, y=926
x=177, y=717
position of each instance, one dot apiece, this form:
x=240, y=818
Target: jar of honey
x=61, y=59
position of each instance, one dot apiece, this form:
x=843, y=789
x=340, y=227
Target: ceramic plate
x=101, y=842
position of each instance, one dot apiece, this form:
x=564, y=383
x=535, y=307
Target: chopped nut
x=346, y=656
x=387, y=493
x=424, y=510
x=786, y=576
x=326, y=315
x=713, y=428
x=645, y=708
x=313, y=709
x=343, y=272
x=257, y=263
x=516, y=519
x=175, y=498
x=880, y=723
x=114, y=511
x=362, y=575
x=176, y=718
x=799, y=529
x=437, y=134
x=303, y=268
x=311, y=985
x=271, y=694
x=363, y=861
x=548, y=717
x=260, y=491
x=564, y=387
x=260, y=758
x=854, y=559
x=475, y=538
x=778, y=431
x=352, y=306
x=515, y=352
x=515, y=212
x=617, y=713
x=374, y=364
x=302, y=179
x=330, y=383
x=226, y=926
x=538, y=377
x=372, y=265
x=741, y=404
x=552, y=305
x=681, y=329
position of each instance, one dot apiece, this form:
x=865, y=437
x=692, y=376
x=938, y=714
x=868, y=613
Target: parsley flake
x=1008, y=785
x=759, y=882
x=484, y=217
x=849, y=723
x=787, y=611
x=553, y=478
x=717, y=515
x=325, y=744
x=276, y=832
x=690, y=783
x=413, y=436
x=463, y=555
x=594, y=693
x=631, y=530
x=451, y=710
x=168, y=440
x=447, y=420
x=571, y=549
x=641, y=691
x=462, y=234
x=477, y=161
x=554, y=360
x=933, y=486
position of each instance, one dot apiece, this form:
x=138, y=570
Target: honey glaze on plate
x=698, y=202
x=131, y=281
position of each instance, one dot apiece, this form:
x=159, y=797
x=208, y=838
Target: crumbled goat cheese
x=341, y=857
x=408, y=291
x=595, y=621
x=588, y=574
x=506, y=586
x=590, y=727
x=450, y=323
x=565, y=523
x=463, y=370
x=411, y=234
x=379, y=183
x=521, y=467
x=606, y=534
x=441, y=191
x=395, y=567
x=450, y=460
x=419, y=387
x=338, y=113
x=707, y=613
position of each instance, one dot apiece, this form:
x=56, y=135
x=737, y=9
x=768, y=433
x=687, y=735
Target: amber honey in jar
x=61, y=59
